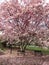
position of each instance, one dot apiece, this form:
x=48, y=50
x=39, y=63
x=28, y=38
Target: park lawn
x=36, y=48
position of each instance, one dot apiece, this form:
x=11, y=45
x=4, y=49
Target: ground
x=20, y=59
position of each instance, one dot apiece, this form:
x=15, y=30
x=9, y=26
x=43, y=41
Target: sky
x=1, y=1
x=46, y=1
x=22, y=3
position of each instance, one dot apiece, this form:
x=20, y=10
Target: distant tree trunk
x=10, y=47
x=23, y=47
x=36, y=52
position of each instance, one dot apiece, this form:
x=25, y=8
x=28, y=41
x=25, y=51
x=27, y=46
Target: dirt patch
x=17, y=58
x=11, y=59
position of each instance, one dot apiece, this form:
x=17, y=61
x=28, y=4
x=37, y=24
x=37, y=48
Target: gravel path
x=24, y=60
x=20, y=59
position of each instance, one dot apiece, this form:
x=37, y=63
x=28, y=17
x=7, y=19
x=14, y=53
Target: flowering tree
x=23, y=23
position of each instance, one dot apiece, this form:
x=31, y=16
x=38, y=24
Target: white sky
x=22, y=3
x=46, y=1
x=1, y=1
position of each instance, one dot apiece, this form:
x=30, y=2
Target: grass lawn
x=36, y=48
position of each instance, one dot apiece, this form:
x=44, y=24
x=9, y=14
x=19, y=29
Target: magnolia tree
x=24, y=23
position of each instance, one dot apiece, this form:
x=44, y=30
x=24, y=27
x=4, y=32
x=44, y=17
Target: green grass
x=33, y=48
